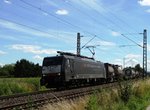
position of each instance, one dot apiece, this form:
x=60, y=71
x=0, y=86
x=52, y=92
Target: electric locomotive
x=68, y=69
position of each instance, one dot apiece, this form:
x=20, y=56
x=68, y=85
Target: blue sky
x=33, y=29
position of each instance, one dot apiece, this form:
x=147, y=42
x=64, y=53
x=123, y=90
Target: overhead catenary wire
x=109, y=20
x=121, y=20
x=93, y=18
x=87, y=42
x=126, y=45
x=62, y=20
x=113, y=24
x=33, y=21
x=58, y=17
x=101, y=14
x=29, y=27
x=40, y=9
x=75, y=25
x=131, y=40
x=39, y=29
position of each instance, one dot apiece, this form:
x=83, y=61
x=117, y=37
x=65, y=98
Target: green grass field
x=9, y=86
x=129, y=97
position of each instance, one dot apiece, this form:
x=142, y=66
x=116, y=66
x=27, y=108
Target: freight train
x=67, y=69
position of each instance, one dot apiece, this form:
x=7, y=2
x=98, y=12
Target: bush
x=124, y=91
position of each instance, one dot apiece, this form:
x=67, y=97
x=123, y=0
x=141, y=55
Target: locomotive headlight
x=58, y=74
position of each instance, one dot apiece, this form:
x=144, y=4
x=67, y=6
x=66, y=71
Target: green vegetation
x=127, y=97
x=22, y=68
x=10, y=86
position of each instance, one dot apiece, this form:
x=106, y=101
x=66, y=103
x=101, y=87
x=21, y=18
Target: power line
x=90, y=17
x=101, y=14
x=109, y=11
x=40, y=9
x=62, y=20
x=109, y=20
x=33, y=28
x=131, y=40
x=31, y=20
x=126, y=45
x=132, y=33
x=112, y=23
x=73, y=24
x=88, y=42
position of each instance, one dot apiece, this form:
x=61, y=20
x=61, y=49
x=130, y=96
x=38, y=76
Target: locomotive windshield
x=52, y=65
x=52, y=61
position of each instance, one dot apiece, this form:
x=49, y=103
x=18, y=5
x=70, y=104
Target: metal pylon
x=145, y=52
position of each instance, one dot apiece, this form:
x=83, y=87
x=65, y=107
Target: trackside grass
x=127, y=96
x=77, y=104
x=10, y=86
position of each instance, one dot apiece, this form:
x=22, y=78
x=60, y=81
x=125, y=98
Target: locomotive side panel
x=89, y=69
x=77, y=68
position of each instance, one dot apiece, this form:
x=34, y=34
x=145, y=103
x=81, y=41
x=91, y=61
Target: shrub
x=124, y=91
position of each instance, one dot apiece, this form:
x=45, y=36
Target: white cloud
x=7, y=1
x=132, y=56
x=106, y=43
x=2, y=52
x=1, y=64
x=131, y=62
x=33, y=49
x=144, y=2
x=118, y=61
x=62, y=12
x=113, y=33
x=37, y=57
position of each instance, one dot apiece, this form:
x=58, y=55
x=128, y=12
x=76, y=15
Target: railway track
x=38, y=99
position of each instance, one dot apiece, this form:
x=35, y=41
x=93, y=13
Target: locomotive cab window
x=68, y=63
x=52, y=65
x=52, y=61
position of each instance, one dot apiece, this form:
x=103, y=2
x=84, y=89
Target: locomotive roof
x=75, y=55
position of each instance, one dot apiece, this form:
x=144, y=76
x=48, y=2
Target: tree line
x=25, y=68
x=22, y=68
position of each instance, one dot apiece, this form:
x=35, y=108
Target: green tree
x=7, y=70
x=138, y=68
x=25, y=68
